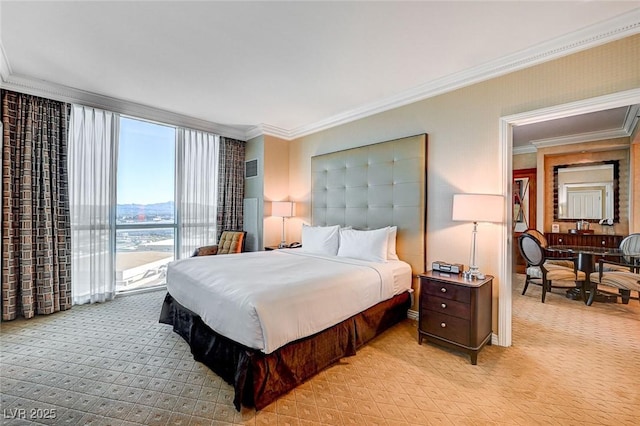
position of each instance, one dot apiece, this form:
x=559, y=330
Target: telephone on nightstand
x=294, y=245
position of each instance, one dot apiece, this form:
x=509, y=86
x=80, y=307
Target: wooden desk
x=589, y=240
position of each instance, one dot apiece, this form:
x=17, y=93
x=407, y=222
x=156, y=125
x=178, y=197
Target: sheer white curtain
x=92, y=158
x=198, y=154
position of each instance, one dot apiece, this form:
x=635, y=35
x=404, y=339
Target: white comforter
x=265, y=300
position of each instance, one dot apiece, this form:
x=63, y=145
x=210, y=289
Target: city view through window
x=145, y=212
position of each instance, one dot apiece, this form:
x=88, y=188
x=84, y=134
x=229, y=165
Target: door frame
x=506, y=124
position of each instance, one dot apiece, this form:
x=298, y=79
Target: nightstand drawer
x=447, y=327
x=448, y=307
x=448, y=291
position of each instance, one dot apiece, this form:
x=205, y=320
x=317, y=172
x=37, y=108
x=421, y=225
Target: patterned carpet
x=114, y=364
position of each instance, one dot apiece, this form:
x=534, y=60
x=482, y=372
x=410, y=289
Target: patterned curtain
x=36, y=231
x=230, y=185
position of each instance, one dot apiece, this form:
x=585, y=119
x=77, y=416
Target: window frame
x=178, y=132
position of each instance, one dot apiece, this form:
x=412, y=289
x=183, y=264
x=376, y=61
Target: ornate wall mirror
x=587, y=191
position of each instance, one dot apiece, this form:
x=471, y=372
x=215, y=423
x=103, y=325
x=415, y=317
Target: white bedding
x=265, y=300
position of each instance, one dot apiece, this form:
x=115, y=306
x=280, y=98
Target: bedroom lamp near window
x=283, y=209
x=477, y=208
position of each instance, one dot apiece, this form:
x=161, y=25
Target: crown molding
x=62, y=93
x=581, y=138
x=254, y=132
x=584, y=106
x=592, y=36
x=631, y=120
x=526, y=149
x=607, y=31
x=267, y=129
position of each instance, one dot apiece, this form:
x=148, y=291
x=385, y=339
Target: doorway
x=629, y=97
x=524, y=210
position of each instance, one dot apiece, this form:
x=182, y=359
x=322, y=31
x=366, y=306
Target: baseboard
x=494, y=339
x=141, y=290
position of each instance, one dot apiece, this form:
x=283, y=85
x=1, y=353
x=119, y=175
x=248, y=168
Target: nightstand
x=455, y=312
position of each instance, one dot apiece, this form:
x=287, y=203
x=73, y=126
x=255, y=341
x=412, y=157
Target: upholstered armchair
x=622, y=275
x=230, y=242
x=630, y=246
x=543, y=272
x=561, y=261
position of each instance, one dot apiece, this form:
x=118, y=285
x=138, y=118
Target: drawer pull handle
x=443, y=325
x=444, y=305
x=444, y=290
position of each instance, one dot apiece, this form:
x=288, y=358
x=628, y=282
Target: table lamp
x=283, y=209
x=477, y=208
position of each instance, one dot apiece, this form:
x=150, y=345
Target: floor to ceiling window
x=142, y=194
x=146, y=222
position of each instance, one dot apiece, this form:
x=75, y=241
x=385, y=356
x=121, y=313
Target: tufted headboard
x=374, y=186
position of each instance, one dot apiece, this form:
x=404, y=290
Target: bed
x=267, y=321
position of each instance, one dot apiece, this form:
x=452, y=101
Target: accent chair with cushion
x=541, y=271
x=230, y=242
x=630, y=245
x=562, y=261
x=538, y=236
x=623, y=275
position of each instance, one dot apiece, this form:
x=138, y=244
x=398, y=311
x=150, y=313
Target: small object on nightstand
x=284, y=246
x=454, y=268
x=455, y=312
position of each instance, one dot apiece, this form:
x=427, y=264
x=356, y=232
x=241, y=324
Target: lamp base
x=283, y=243
x=473, y=268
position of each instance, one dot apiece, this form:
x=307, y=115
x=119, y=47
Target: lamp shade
x=478, y=208
x=283, y=208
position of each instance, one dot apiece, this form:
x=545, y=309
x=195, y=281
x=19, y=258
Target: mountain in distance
x=164, y=210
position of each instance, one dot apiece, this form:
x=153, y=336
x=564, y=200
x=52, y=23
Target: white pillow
x=391, y=244
x=365, y=245
x=320, y=239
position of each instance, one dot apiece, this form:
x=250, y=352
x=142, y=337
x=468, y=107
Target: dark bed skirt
x=259, y=379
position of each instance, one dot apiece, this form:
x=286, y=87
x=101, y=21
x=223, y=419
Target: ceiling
x=285, y=68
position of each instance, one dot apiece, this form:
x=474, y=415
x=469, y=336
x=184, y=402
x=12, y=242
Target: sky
x=146, y=162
